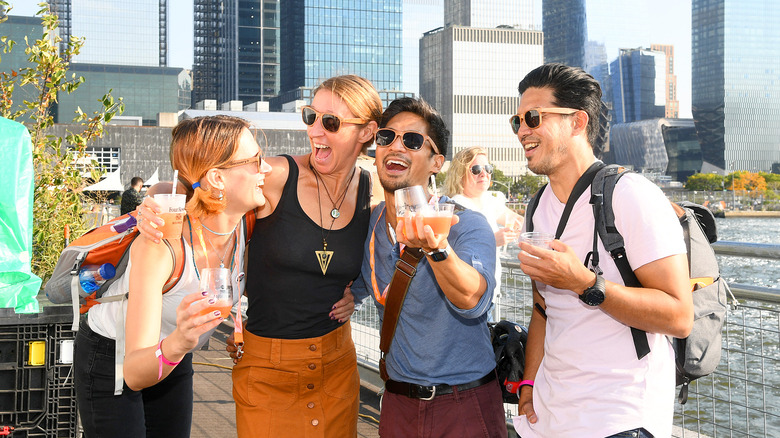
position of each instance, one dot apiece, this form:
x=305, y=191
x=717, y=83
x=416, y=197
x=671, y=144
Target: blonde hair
x=201, y=144
x=453, y=184
x=359, y=95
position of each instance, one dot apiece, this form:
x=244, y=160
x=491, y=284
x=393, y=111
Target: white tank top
x=103, y=319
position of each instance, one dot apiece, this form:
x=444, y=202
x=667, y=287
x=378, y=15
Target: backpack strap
x=601, y=197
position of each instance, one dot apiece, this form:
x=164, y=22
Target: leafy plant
x=59, y=181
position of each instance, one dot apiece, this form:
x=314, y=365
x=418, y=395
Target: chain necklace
x=227, y=247
x=335, y=213
x=324, y=257
x=217, y=233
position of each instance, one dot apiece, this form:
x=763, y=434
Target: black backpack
x=699, y=354
x=508, y=341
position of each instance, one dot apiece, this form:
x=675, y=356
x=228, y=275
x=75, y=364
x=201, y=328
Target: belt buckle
x=433, y=394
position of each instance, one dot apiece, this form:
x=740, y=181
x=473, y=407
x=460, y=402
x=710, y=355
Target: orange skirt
x=297, y=387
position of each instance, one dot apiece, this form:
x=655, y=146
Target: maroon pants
x=474, y=413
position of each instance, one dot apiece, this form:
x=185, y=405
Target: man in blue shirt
x=440, y=362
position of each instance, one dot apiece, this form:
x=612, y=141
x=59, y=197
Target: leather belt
x=422, y=392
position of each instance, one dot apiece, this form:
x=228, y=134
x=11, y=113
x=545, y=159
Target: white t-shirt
x=590, y=383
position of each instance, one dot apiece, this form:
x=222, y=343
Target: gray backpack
x=699, y=354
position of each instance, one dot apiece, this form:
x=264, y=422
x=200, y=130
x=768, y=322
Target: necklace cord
x=335, y=212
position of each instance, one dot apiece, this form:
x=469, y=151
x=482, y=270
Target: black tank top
x=289, y=297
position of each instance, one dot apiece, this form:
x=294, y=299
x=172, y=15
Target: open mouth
x=321, y=151
x=396, y=166
x=530, y=146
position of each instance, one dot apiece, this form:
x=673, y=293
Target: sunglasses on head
x=330, y=122
x=257, y=159
x=478, y=168
x=410, y=139
x=533, y=117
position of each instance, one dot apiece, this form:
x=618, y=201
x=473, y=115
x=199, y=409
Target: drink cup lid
x=107, y=271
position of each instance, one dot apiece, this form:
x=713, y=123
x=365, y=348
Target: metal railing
x=740, y=399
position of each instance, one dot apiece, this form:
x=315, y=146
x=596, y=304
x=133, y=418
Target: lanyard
x=380, y=297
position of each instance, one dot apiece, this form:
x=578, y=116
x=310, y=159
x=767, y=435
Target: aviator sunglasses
x=410, y=139
x=330, y=122
x=477, y=169
x=533, y=117
x=258, y=158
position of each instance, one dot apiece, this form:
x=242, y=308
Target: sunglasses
x=330, y=122
x=478, y=168
x=533, y=118
x=410, y=139
x=257, y=159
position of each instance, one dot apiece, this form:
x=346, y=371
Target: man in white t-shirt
x=583, y=377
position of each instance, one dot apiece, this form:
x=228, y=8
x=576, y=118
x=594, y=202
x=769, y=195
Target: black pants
x=160, y=411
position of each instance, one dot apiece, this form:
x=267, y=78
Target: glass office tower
x=736, y=87
x=321, y=39
x=565, y=29
x=236, y=50
x=117, y=32
x=519, y=14
x=638, y=85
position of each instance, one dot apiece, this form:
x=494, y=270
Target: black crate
x=37, y=400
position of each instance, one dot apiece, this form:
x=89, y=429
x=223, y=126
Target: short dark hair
x=135, y=181
x=437, y=130
x=572, y=88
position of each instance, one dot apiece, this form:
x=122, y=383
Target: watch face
x=594, y=295
x=438, y=256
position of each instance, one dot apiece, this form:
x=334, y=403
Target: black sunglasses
x=410, y=139
x=478, y=168
x=330, y=122
x=533, y=118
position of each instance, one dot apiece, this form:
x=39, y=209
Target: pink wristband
x=526, y=383
x=161, y=359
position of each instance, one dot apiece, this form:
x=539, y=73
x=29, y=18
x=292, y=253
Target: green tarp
x=18, y=285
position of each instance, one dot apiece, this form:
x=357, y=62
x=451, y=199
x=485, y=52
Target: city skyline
x=662, y=22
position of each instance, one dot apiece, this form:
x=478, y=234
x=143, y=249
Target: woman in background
x=468, y=180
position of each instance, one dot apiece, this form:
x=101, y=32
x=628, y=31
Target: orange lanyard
x=380, y=297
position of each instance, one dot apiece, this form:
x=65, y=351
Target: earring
x=220, y=195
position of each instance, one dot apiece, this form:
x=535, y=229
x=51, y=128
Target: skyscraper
x=470, y=75
x=519, y=14
x=670, y=84
x=323, y=39
x=638, y=78
x=236, y=50
x=116, y=32
x=565, y=31
x=736, y=53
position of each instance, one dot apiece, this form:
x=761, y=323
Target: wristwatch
x=438, y=255
x=594, y=295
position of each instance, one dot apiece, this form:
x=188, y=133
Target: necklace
x=227, y=247
x=324, y=256
x=335, y=213
x=216, y=233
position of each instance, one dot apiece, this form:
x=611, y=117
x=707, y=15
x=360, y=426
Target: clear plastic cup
x=537, y=238
x=172, y=212
x=439, y=217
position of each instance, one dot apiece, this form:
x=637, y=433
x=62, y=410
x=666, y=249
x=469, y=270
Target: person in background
x=468, y=180
x=441, y=367
x=297, y=374
x=131, y=198
x=583, y=374
x=220, y=157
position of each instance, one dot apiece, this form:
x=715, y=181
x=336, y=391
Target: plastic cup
x=409, y=200
x=439, y=217
x=537, y=238
x=216, y=281
x=172, y=212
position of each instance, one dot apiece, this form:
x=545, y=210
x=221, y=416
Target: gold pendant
x=324, y=258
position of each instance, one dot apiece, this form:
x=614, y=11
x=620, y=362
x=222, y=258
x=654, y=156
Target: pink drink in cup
x=217, y=282
x=172, y=212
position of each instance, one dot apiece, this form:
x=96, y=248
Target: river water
x=757, y=272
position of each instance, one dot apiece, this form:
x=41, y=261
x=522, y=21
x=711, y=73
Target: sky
x=661, y=22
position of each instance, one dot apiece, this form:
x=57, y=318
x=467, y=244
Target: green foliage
x=57, y=195
x=501, y=182
x=705, y=181
x=528, y=184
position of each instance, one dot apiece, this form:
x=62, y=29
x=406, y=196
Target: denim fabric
x=635, y=433
x=160, y=411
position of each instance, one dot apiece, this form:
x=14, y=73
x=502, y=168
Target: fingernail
x=331, y=315
x=204, y=293
x=341, y=320
x=333, y=308
x=212, y=301
x=217, y=313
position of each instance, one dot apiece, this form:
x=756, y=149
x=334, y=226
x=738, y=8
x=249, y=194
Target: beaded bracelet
x=161, y=359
